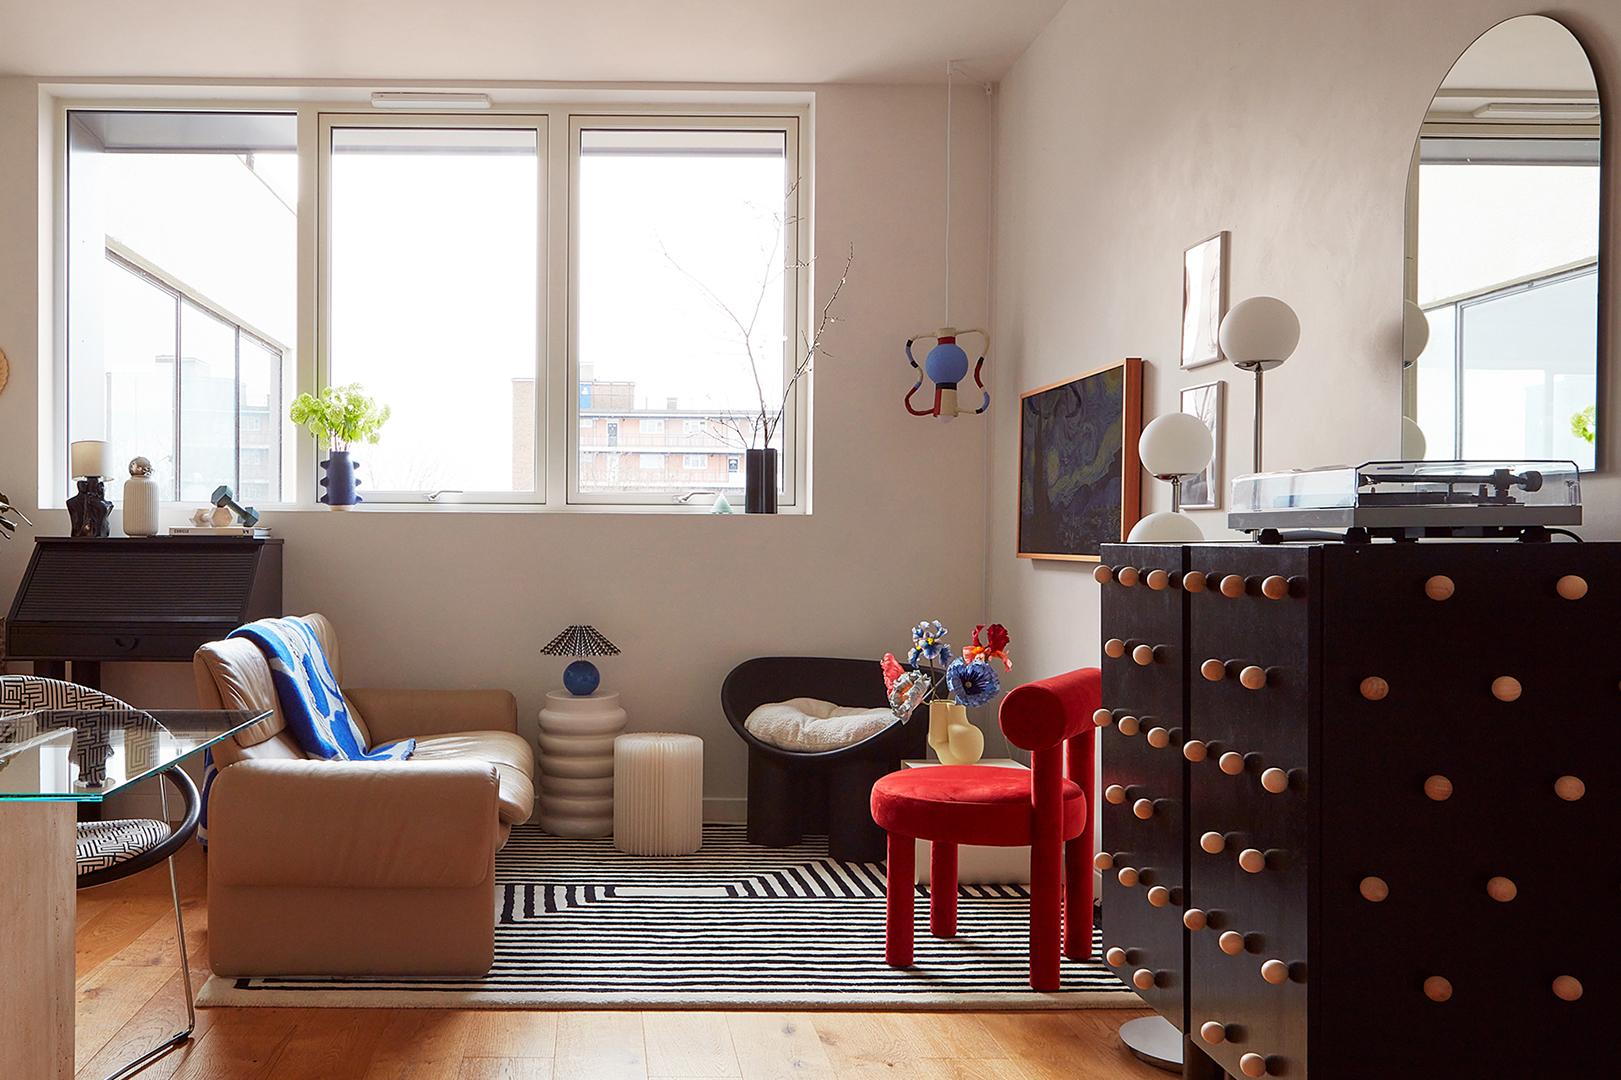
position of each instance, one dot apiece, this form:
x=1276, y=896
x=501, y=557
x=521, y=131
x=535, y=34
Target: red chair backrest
x=1042, y=714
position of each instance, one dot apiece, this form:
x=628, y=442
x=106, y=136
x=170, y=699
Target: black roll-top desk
x=87, y=600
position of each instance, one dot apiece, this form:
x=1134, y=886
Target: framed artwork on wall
x=1206, y=402
x=1204, y=300
x=1079, y=478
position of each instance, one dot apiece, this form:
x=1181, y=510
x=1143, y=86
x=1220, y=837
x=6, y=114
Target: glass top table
x=84, y=755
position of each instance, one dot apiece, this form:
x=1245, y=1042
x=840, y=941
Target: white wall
x=468, y=599
x=1129, y=132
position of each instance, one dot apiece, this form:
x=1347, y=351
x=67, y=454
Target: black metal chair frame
x=793, y=793
x=163, y=851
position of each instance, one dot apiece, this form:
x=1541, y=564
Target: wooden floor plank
x=330, y=1044
x=778, y=1046
x=421, y=1044
x=516, y=1034
x=857, y=1040
x=1047, y=1047
x=492, y=1068
x=600, y=1046
x=239, y=1044
x=161, y=1016
x=689, y=1044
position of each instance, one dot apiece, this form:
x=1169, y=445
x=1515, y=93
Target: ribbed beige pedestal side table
x=659, y=793
x=577, y=762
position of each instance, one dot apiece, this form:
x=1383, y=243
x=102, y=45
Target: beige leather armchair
x=358, y=868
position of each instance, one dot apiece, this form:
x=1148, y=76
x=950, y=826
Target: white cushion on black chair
x=101, y=844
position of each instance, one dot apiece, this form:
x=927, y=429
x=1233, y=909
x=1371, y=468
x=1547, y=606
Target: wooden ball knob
x=1275, y=780
x=1159, y=896
x=1502, y=889
x=1143, y=808
x=1194, y=919
x=1193, y=581
x=1437, y=988
x=1567, y=988
x=1159, y=738
x=1252, y=860
x=1158, y=579
x=1195, y=750
x=1214, y=670
x=1275, y=972
x=1232, y=585
x=1127, y=877
x=1252, y=678
x=1374, y=889
x=1103, y=718
x=1252, y=1065
x=1103, y=861
x=1127, y=576
x=1439, y=587
x=1115, y=957
x=1572, y=587
x=1213, y=842
x=1142, y=979
x=1231, y=942
x=1143, y=655
x=1114, y=648
x=1231, y=763
x=1275, y=587
x=1213, y=1033
x=1506, y=688
x=1374, y=688
x=1130, y=725
x=1569, y=788
x=1115, y=794
x=1102, y=575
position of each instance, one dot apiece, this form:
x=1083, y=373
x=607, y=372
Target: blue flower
x=972, y=684
x=929, y=643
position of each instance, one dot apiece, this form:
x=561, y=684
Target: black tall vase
x=760, y=481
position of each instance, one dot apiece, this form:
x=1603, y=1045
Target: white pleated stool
x=658, y=793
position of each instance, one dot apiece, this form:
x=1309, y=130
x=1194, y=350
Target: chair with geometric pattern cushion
x=108, y=851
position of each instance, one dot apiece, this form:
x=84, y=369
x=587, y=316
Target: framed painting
x=1203, y=492
x=1079, y=477
x=1204, y=300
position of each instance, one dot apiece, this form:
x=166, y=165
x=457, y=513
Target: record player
x=1408, y=500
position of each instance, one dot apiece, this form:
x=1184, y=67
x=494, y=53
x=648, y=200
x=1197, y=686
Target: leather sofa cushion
x=510, y=754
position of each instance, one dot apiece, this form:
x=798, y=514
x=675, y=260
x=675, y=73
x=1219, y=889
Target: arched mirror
x=1502, y=254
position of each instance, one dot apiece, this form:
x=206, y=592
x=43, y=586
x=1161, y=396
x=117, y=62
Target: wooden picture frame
x=1208, y=402
x=1204, y=300
x=1079, y=476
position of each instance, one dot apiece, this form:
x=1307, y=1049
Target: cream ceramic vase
x=955, y=740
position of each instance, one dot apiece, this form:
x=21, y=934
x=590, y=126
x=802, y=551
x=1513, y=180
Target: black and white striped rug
x=582, y=925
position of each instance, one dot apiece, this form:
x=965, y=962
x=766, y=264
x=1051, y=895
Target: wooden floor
x=129, y=998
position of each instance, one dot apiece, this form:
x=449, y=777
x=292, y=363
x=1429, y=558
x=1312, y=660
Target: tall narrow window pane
x=434, y=255
x=259, y=409
x=192, y=206
x=207, y=404
x=683, y=283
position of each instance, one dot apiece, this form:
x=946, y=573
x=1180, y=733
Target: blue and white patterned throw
x=311, y=702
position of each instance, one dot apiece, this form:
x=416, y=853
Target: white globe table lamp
x=1257, y=335
x=1174, y=447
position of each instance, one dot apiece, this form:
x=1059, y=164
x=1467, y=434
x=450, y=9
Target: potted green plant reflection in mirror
x=1503, y=253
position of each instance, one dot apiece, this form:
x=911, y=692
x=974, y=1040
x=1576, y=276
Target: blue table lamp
x=581, y=677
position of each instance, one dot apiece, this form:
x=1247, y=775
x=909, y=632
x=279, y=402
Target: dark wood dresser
x=1359, y=803
x=85, y=600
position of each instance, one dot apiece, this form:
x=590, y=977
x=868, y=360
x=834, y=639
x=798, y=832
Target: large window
x=560, y=305
x=181, y=271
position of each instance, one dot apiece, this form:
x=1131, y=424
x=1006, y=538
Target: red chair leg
x=900, y=887
x=1078, y=897
x=943, y=889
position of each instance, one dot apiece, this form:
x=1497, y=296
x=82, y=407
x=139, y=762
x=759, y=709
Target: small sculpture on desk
x=89, y=510
x=225, y=499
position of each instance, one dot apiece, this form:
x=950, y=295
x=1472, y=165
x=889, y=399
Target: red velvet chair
x=999, y=807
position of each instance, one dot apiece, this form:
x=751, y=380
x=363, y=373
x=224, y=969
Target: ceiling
x=487, y=41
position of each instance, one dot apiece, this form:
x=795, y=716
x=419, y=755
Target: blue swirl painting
x=1072, y=464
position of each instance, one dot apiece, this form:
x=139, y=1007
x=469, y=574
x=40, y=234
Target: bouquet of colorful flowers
x=968, y=680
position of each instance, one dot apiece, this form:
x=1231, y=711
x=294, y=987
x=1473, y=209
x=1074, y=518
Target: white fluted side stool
x=577, y=762
x=659, y=793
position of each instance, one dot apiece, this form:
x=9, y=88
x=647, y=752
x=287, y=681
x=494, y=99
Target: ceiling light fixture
x=409, y=99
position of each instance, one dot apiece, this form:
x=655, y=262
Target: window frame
x=557, y=383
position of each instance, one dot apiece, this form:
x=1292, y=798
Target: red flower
x=892, y=671
x=994, y=647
